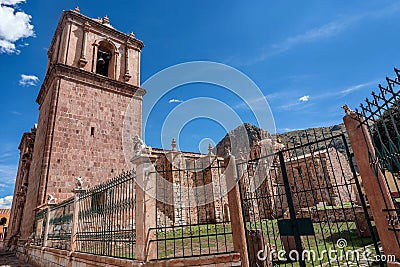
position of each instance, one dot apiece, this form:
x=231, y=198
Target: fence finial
x=347, y=110
x=173, y=144
x=210, y=149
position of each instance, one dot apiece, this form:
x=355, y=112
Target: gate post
x=145, y=208
x=378, y=199
x=75, y=218
x=46, y=233
x=235, y=210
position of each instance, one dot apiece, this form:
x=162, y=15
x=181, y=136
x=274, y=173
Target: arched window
x=104, y=57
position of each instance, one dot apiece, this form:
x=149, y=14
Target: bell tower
x=92, y=77
x=94, y=45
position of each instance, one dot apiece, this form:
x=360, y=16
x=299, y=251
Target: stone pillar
x=85, y=30
x=46, y=230
x=75, y=217
x=179, y=192
x=127, y=76
x=235, y=207
x=257, y=244
x=374, y=184
x=66, y=40
x=94, y=56
x=145, y=210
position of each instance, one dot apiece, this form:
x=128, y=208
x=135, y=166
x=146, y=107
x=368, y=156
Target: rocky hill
x=244, y=136
x=289, y=139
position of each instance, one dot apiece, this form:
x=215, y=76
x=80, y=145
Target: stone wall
x=334, y=215
x=49, y=257
x=87, y=138
x=39, y=163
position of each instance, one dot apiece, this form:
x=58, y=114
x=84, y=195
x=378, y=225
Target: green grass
x=345, y=205
x=206, y=239
x=195, y=240
x=325, y=238
x=210, y=239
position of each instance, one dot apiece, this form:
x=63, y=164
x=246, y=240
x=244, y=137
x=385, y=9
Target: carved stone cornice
x=91, y=79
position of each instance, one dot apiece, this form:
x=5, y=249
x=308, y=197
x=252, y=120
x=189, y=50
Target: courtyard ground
x=8, y=259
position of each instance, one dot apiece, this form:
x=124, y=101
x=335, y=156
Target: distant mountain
x=301, y=137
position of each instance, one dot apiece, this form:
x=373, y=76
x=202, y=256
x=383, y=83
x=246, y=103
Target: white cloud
x=5, y=202
x=28, y=80
x=357, y=87
x=304, y=98
x=14, y=25
x=175, y=101
x=8, y=173
x=324, y=31
x=7, y=47
x=16, y=113
x=11, y=2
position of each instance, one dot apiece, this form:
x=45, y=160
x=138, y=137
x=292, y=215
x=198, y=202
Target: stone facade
x=184, y=190
x=322, y=177
x=82, y=111
x=21, y=183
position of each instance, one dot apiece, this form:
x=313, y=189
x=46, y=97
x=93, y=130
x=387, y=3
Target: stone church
x=92, y=91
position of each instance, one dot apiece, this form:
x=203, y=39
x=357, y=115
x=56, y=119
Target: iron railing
x=192, y=215
x=60, y=225
x=381, y=117
x=305, y=197
x=40, y=227
x=106, y=221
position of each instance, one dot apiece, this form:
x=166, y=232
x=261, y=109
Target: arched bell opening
x=104, y=62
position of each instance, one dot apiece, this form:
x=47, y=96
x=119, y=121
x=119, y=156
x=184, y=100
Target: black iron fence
x=106, y=220
x=304, y=201
x=40, y=227
x=60, y=225
x=192, y=215
x=381, y=118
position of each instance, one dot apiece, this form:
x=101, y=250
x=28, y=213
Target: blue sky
x=307, y=57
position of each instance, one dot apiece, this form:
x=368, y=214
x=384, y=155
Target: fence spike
x=390, y=83
x=397, y=72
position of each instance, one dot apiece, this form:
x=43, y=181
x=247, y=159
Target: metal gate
x=304, y=206
x=379, y=121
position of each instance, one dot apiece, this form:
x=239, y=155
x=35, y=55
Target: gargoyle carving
x=51, y=199
x=139, y=147
x=78, y=183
